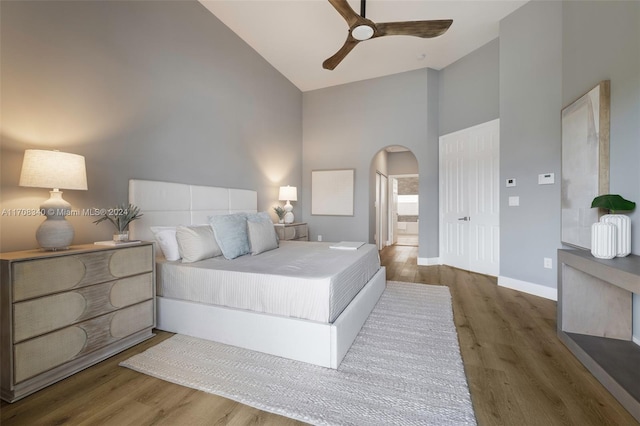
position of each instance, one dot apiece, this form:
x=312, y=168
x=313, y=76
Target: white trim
x=527, y=287
x=635, y=340
x=429, y=261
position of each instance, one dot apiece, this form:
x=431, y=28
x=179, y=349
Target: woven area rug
x=404, y=368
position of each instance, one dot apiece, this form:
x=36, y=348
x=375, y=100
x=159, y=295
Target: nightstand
x=63, y=311
x=292, y=231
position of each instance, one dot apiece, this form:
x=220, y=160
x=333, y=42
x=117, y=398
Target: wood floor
x=518, y=371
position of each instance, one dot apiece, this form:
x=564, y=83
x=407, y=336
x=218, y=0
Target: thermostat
x=546, y=179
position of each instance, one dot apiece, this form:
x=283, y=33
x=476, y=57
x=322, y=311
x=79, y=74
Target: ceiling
x=295, y=36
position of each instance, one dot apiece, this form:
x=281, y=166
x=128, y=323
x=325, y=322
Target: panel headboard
x=171, y=204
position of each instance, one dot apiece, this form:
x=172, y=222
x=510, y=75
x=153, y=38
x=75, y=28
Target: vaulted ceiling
x=296, y=36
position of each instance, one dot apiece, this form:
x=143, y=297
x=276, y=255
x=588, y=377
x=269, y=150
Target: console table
x=595, y=319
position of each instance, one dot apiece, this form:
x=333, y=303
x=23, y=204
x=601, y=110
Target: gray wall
x=530, y=104
x=601, y=42
x=402, y=163
x=345, y=127
x=550, y=54
x=151, y=90
x=469, y=89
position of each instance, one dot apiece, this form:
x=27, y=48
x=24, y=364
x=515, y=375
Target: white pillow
x=166, y=238
x=196, y=243
x=262, y=236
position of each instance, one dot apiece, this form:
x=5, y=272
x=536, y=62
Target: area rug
x=404, y=368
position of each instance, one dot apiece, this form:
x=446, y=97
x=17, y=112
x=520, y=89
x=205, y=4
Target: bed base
x=302, y=340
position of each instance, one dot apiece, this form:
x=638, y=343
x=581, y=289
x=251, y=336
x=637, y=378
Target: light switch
x=514, y=201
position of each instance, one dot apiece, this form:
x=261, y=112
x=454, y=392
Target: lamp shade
x=53, y=169
x=288, y=193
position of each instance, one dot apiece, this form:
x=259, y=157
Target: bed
x=303, y=300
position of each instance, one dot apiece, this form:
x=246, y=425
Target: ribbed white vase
x=604, y=240
x=623, y=225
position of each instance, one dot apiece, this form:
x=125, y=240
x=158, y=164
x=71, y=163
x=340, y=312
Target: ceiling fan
x=362, y=29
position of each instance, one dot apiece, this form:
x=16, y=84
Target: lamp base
x=288, y=216
x=55, y=233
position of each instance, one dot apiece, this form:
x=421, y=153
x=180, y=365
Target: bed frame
x=170, y=204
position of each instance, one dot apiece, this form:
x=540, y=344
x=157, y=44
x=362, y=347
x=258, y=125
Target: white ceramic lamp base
x=288, y=216
x=55, y=233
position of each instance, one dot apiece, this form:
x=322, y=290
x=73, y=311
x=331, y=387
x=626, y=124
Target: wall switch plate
x=319, y=237
x=548, y=263
x=511, y=182
x=514, y=201
x=546, y=179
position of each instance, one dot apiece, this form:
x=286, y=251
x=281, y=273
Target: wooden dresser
x=64, y=311
x=292, y=231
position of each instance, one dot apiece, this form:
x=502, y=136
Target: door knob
x=466, y=218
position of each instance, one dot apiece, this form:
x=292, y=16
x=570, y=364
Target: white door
x=377, y=209
x=384, y=211
x=469, y=198
x=393, y=210
x=382, y=224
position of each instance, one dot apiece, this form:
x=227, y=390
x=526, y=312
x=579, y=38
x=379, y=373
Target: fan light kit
x=362, y=32
x=363, y=29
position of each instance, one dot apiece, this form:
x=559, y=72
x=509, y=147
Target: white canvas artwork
x=332, y=192
x=584, y=172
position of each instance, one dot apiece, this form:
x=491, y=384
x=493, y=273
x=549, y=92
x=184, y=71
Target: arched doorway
x=393, y=169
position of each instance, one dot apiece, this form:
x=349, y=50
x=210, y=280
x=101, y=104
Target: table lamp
x=288, y=194
x=57, y=170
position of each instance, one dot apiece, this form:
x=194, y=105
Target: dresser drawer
x=40, y=277
x=43, y=353
x=42, y=315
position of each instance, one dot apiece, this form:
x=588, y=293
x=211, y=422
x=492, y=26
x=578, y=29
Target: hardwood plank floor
x=519, y=373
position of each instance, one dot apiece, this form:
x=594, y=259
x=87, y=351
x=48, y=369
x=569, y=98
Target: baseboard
x=527, y=287
x=429, y=261
x=636, y=340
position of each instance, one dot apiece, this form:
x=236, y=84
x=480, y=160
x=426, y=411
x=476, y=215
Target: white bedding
x=305, y=280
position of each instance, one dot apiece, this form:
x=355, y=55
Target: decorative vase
x=281, y=220
x=623, y=226
x=604, y=240
x=121, y=237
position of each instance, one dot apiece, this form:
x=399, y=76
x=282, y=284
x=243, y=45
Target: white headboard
x=171, y=204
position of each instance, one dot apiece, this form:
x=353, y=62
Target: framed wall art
x=332, y=192
x=585, y=163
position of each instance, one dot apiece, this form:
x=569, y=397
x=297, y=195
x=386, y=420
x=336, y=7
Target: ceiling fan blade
x=346, y=11
x=424, y=29
x=332, y=62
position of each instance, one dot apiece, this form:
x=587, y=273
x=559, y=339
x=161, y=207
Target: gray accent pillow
x=262, y=217
x=262, y=236
x=231, y=234
x=196, y=243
